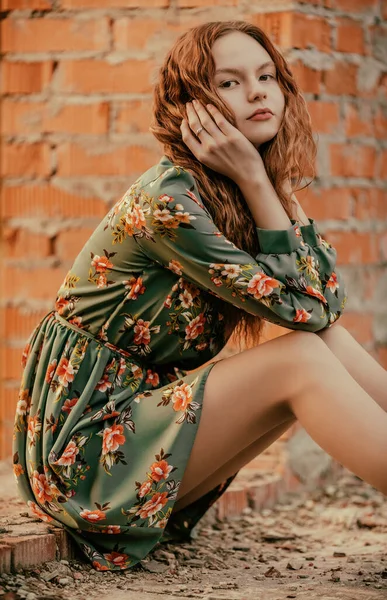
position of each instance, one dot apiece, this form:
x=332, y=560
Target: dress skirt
x=97, y=452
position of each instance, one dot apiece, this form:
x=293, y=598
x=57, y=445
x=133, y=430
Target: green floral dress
x=113, y=377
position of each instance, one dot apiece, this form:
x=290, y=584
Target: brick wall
x=77, y=77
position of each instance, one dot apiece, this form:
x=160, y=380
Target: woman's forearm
x=264, y=204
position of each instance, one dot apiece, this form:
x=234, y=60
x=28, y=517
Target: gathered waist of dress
x=87, y=334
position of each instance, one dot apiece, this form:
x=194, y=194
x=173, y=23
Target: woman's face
x=253, y=86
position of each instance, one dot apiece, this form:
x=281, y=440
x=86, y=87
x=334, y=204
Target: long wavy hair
x=187, y=73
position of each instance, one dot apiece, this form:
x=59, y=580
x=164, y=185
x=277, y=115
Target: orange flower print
x=112, y=438
x=142, y=333
x=163, y=215
x=145, y=489
x=41, y=487
x=118, y=558
x=262, y=285
x=18, y=470
x=101, y=263
x=112, y=529
x=101, y=281
x=34, y=428
x=69, y=404
x=34, y=508
x=77, y=321
x=69, y=455
x=25, y=354
x=161, y=524
x=152, y=377
x=104, y=383
x=93, y=516
x=50, y=371
x=138, y=216
x=60, y=305
x=135, y=286
x=156, y=503
x=136, y=371
x=65, y=371
x=175, y=266
x=194, y=198
x=168, y=301
x=182, y=396
x=332, y=283
x=231, y=271
x=311, y=291
x=23, y=402
x=98, y=567
x=302, y=316
x=160, y=470
x=186, y=299
x=195, y=327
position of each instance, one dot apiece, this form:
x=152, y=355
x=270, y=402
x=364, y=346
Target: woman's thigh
x=246, y=396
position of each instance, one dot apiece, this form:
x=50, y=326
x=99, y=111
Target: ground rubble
x=327, y=544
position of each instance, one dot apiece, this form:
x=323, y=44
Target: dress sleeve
x=292, y=282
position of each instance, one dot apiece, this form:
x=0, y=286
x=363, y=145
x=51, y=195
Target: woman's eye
x=222, y=85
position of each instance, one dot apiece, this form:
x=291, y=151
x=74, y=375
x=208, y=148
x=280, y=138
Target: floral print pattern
x=113, y=377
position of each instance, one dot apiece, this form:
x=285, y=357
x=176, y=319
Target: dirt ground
x=323, y=545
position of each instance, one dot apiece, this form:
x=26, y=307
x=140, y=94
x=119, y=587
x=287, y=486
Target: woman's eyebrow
x=270, y=63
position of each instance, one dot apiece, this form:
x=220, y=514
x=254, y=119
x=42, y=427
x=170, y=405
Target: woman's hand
x=220, y=145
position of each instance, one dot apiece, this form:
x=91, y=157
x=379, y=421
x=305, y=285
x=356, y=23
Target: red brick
x=359, y=326
x=204, y=3
x=21, y=118
x=44, y=200
x=309, y=31
x=54, y=35
x=5, y=558
x=10, y=367
x=278, y=26
x=325, y=203
x=382, y=170
x=69, y=243
x=341, y=79
x=233, y=501
x=380, y=124
x=352, y=160
x=80, y=4
x=33, y=283
x=353, y=247
x=25, y=160
x=66, y=546
x=133, y=117
x=382, y=356
x=309, y=80
x=356, y=6
x=19, y=322
x=325, y=116
x=26, y=78
x=350, y=36
x=370, y=204
x=383, y=9
x=26, y=4
x=31, y=550
x=130, y=76
x=357, y=121
x=19, y=243
x=74, y=160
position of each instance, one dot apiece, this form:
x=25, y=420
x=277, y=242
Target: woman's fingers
x=189, y=139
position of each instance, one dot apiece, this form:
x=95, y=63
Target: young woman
x=125, y=430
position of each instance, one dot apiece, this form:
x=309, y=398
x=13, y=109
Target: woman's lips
x=261, y=116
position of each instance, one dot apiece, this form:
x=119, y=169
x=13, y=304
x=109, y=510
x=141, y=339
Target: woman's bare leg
x=296, y=375
x=358, y=362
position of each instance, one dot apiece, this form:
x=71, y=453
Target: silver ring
x=199, y=130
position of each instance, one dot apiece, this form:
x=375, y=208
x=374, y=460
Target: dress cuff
x=279, y=241
x=309, y=233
